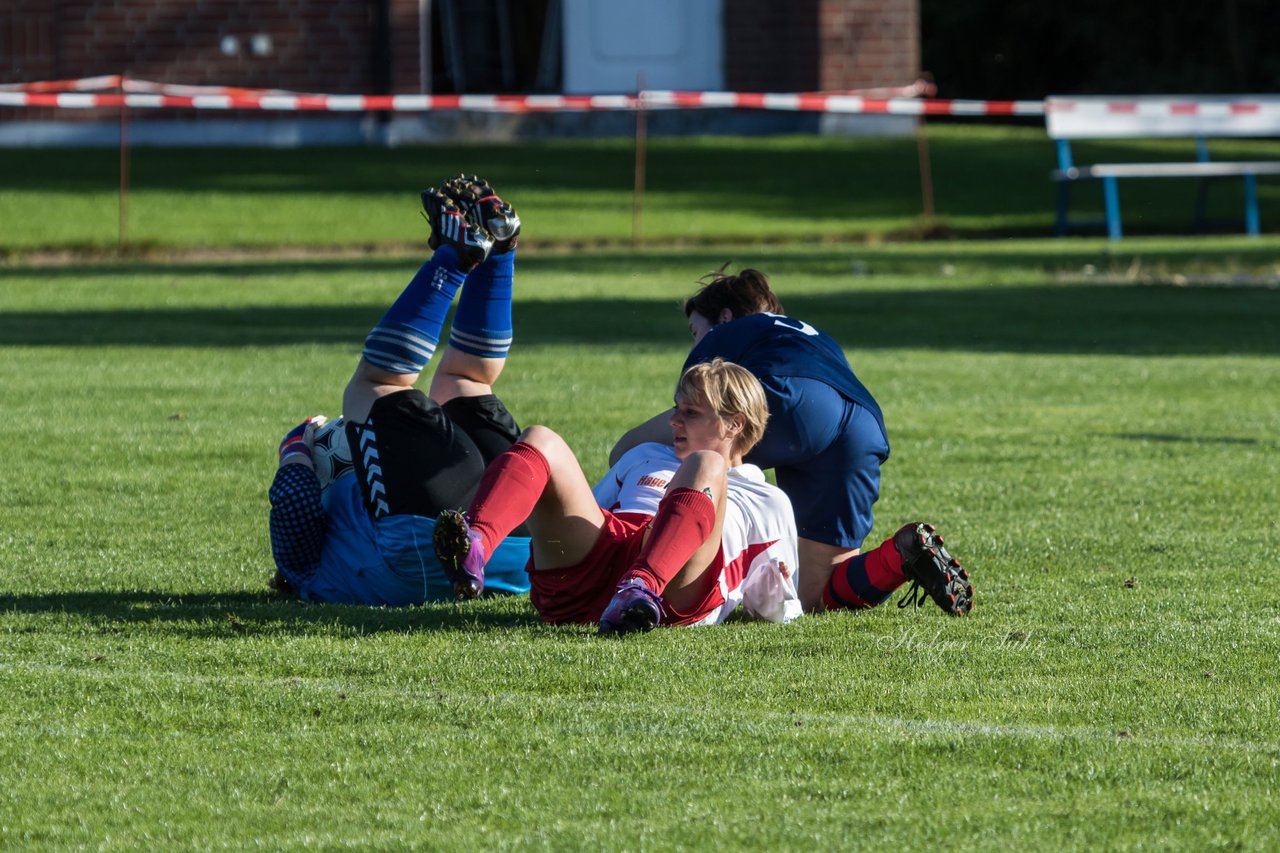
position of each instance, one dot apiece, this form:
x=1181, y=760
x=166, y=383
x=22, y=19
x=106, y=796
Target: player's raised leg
x=405, y=338
x=482, y=327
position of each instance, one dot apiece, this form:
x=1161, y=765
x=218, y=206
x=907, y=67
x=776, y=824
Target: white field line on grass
x=899, y=726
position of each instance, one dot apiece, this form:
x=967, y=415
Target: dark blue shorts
x=826, y=453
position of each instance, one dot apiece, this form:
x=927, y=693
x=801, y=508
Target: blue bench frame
x=1192, y=117
x=1203, y=169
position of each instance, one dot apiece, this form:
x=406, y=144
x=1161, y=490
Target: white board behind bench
x=1135, y=117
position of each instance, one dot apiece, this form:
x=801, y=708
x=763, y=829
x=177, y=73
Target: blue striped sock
x=405, y=338
x=482, y=325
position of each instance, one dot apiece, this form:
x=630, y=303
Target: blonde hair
x=729, y=389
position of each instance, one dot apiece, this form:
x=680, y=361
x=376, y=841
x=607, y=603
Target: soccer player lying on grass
x=364, y=538
x=826, y=442
x=675, y=533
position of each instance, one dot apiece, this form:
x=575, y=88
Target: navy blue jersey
x=774, y=345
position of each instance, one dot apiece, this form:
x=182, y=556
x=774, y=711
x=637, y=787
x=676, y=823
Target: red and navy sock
x=866, y=580
x=684, y=520
x=508, y=492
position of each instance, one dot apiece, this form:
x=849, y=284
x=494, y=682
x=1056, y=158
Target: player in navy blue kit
x=366, y=536
x=826, y=441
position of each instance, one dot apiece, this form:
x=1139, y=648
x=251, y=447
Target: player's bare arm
x=657, y=430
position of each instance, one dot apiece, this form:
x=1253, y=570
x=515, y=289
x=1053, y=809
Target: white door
x=674, y=44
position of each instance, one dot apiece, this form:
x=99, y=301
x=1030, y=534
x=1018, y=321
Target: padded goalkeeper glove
x=297, y=442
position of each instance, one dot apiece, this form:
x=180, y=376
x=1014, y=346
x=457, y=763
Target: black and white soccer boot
x=932, y=569
x=474, y=196
x=450, y=226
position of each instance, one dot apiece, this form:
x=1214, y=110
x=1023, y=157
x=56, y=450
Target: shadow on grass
x=1126, y=319
x=1170, y=438
x=253, y=614
x=620, y=261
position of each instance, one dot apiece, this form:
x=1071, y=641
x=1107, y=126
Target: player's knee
x=473, y=368
x=705, y=467
x=547, y=441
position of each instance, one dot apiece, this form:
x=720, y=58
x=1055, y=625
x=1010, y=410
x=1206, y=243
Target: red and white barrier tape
x=133, y=85
x=657, y=100
x=84, y=84
x=144, y=95
x=903, y=100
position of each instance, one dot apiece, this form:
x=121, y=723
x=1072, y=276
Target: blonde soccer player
x=670, y=536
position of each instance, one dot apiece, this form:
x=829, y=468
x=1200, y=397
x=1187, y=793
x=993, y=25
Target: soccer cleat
x=481, y=204
x=279, y=584
x=450, y=226
x=461, y=553
x=634, y=607
x=932, y=569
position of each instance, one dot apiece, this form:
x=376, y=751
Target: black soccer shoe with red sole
x=475, y=198
x=450, y=226
x=932, y=568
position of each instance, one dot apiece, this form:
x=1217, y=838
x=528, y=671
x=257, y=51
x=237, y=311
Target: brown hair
x=743, y=294
x=729, y=389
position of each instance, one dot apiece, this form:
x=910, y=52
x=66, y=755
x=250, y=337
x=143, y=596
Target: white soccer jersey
x=759, y=535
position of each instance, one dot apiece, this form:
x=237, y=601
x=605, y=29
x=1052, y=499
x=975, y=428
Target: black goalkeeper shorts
x=415, y=457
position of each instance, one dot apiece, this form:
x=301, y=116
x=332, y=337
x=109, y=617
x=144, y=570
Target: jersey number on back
x=794, y=324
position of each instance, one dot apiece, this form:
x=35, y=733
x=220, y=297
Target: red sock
x=884, y=567
x=684, y=520
x=865, y=580
x=507, y=493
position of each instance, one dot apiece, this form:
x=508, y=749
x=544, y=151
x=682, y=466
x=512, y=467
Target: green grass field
x=1094, y=429
x=987, y=181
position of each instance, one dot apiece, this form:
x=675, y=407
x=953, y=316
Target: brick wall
x=303, y=45
x=868, y=43
x=320, y=46
x=327, y=45
x=404, y=46
x=820, y=44
x=27, y=43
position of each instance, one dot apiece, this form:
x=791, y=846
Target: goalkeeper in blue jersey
x=826, y=441
x=366, y=536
